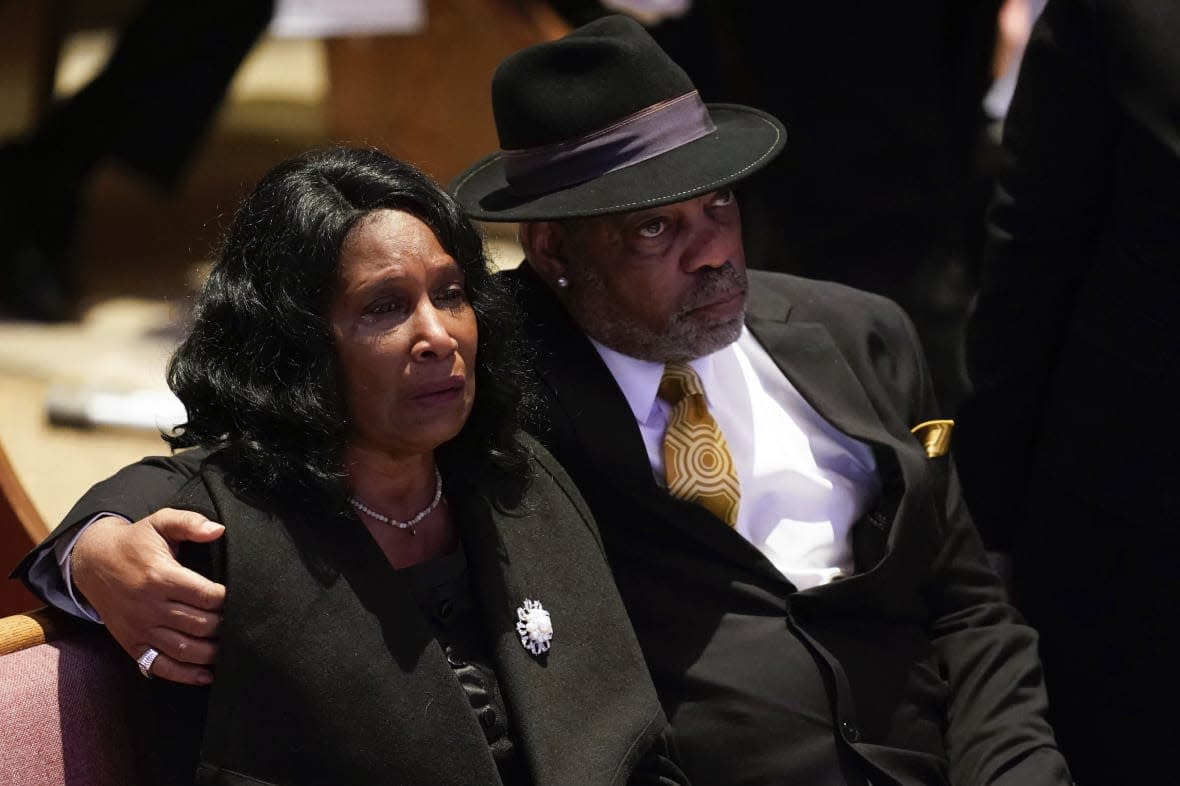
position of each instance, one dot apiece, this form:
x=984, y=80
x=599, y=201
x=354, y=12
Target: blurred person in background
x=1069, y=447
x=148, y=109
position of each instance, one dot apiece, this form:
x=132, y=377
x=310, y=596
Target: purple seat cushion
x=71, y=712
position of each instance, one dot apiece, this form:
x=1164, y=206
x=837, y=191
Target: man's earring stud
x=562, y=282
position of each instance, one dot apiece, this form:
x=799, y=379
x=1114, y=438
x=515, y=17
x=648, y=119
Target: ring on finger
x=146, y=660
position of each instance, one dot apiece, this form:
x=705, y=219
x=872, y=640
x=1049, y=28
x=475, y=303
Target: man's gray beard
x=683, y=340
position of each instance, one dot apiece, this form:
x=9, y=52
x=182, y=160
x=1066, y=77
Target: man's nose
x=710, y=245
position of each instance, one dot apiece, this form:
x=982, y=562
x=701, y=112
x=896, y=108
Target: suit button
x=851, y=733
x=487, y=717
x=445, y=609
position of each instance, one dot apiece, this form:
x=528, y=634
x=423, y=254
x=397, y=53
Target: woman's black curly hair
x=258, y=373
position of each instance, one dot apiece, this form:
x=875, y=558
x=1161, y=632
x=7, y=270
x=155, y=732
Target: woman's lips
x=440, y=392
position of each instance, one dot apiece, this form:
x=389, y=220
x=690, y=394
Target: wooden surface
x=36, y=626
x=427, y=97
x=20, y=528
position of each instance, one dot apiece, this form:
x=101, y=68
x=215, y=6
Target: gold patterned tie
x=697, y=463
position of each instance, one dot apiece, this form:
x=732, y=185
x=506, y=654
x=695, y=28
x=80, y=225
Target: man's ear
x=543, y=243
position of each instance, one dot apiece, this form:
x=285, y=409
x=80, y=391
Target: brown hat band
x=648, y=133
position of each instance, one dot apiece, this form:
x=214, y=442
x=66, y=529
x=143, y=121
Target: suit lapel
x=807, y=353
x=809, y=357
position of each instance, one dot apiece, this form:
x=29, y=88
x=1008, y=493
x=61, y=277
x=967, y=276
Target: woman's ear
x=543, y=243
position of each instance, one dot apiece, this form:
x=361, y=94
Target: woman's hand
x=129, y=573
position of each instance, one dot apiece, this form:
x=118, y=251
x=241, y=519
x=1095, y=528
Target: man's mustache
x=715, y=283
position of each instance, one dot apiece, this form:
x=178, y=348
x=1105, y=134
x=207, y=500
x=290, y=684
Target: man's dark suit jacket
x=327, y=672
x=912, y=671
x=1070, y=446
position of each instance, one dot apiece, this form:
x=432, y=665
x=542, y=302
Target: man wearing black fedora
x=762, y=453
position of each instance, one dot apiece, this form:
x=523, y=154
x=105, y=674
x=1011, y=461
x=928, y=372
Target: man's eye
x=653, y=228
x=723, y=198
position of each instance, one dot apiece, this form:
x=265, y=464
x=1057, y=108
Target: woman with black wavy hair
x=415, y=591
x=285, y=414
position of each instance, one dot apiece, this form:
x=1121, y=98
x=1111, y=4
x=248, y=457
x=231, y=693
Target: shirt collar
x=640, y=379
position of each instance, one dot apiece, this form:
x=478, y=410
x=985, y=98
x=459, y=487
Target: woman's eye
x=383, y=307
x=653, y=228
x=455, y=295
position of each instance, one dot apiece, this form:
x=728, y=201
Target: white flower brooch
x=534, y=626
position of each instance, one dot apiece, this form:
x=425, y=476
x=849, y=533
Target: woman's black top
x=442, y=589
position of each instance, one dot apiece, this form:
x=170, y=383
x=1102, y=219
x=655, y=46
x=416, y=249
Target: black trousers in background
x=1097, y=589
x=153, y=102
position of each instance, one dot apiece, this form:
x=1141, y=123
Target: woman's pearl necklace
x=356, y=503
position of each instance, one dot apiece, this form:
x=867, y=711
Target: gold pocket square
x=935, y=436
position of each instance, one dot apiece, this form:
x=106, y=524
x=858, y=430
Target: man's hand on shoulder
x=129, y=573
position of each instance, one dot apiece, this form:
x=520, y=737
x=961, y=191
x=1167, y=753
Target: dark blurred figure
x=881, y=185
x=1070, y=448
x=148, y=109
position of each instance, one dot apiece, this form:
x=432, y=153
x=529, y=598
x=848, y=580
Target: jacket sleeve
x=996, y=732
x=133, y=492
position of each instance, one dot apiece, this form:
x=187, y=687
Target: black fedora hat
x=603, y=121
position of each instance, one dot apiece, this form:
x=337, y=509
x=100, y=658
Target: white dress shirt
x=803, y=482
